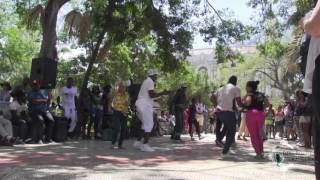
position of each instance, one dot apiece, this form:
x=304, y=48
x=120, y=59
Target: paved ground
x=188, y=161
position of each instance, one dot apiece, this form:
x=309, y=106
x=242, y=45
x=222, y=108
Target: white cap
x=152, y=72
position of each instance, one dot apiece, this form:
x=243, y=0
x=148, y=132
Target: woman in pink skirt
x=255, y=103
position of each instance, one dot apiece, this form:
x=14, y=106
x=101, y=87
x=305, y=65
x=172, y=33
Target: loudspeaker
x=44, y=70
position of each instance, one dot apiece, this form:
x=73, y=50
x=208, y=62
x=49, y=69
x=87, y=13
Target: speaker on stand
x=44, y=70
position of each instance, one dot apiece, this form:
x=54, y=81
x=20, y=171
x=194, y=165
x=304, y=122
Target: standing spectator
x=69, y=104
x=279, y=120
x=243, y=130
x=5, y=92
x=180, y=102
x=24, y=86
x=192, y=119
x=297, y=115
x=107, y=106
x=5, y=98
x=199, y=115
x=288, y=117
x=225, y=97
x=120, y=105
x=305, y=119
x=255, y=103
x=84, y=112
x=144, y=105
x=41, y=117
x=205, y=119
x=19, y=115
x=96, y=113
x=270, y=121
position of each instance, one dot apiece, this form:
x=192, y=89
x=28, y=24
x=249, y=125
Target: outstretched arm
x=154, y=94
x=311, y=24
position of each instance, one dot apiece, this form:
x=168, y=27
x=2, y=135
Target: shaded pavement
x=175, y=161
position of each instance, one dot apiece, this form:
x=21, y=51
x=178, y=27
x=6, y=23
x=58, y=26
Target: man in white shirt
x=225, y=97
x=69, y=101
x=144, y=106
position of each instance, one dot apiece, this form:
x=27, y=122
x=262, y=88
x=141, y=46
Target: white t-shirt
x=226, y=95
x=68, y=95
x=314, y=51
x=144, y=96
x=15, y=106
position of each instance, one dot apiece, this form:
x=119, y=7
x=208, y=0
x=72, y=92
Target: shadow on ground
x=79, y=156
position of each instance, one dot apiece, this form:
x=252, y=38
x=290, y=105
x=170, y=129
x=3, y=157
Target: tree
x=114, y=22
x=48, y=20
x=17, y=46
x=278, y=69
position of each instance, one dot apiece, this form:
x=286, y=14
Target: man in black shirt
x=180, y=102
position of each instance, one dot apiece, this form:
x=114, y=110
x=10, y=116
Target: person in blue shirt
x=42, y=120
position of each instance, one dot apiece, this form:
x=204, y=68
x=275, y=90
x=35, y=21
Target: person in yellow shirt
x=120, y=105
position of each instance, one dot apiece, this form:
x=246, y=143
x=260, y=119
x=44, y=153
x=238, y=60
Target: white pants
x=5, y=127
x=314, y=51
x=145, y=114
x=71, y=113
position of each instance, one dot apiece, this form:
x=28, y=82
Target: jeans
x=119, y=125
x=229, y=121
x=42, y=121
x=96, y=119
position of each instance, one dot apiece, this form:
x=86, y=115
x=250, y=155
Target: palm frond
x=73, y=23
x=85, y=26
x=78, y=24
x=35, y=14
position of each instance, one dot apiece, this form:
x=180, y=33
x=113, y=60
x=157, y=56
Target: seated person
x=19, y=117
x=6, y=135
x=42, y=119
x=5, y=98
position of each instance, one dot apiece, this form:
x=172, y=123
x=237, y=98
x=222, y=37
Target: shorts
x=305, y=119
x=145, y=114
x=289, y=123
x=269, y=122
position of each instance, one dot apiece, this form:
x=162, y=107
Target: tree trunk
x=93, y=59
x=49, y=24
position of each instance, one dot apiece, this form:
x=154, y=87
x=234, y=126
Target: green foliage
x=224, y=34
x=198, y=86
x=17, y=46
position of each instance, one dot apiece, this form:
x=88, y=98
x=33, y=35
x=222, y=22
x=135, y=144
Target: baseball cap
x=152, y=72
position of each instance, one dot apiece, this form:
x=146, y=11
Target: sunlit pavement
x=191, y=160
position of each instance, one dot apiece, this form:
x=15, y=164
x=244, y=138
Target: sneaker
x=226, y=155
x=219, y=143
x=113, y=147
x=146, y=148
x=239, y=138
x=28, y=140
x=137, y=144
x=192, y=139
